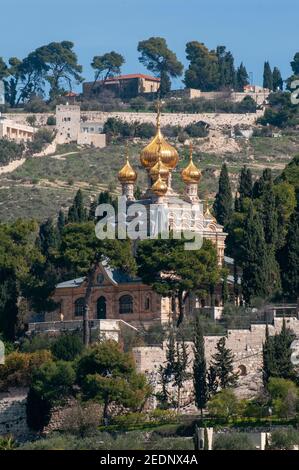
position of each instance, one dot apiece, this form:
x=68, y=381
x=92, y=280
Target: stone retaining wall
x=13, y=413
x=216, y=120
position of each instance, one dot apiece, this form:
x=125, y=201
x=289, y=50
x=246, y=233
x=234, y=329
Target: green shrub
x=19, y=368
x=10, y=151
x=7, y=443
x=40, y=139
x=36, y=343
x=31, y=120
x=67, y=347
x=51, y=384
x=197, y=129
x=235, y=441
x=172, y=443
x=51, y=121
x=224, y=404
x=155, y=417
x=82, y=420
x=284, y=439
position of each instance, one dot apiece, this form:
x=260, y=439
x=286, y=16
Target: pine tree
x=290, y=259
x=277, y=355
x=242, y=78
x=223, y=205
x=222, y=361
x=199, y=368
x=277, y=79
x=267, y=77
x=255, y=259
x=77, y=212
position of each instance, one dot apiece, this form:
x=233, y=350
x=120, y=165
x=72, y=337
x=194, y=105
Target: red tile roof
x=134, y=75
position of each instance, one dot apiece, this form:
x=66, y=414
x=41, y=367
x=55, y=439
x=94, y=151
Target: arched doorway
x=101, y=308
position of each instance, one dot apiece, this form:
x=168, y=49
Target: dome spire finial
x=191, y=151
x=158, y=145
x=159, y=106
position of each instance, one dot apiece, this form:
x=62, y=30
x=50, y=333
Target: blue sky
x=254, y=31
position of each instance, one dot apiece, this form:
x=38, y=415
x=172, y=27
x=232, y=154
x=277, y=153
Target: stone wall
x=216, y=120
x=13, y=413
x=246, y=345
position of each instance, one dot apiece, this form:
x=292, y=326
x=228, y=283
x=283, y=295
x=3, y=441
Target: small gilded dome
x=158, y=145
x=127, y=174
x=191, y=174
x=159, y=187
x=159, y=169
x=208, y=215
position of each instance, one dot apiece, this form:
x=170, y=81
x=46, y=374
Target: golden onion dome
x=208, y=215
x=149, y=155
x=159, y=187
x=159, y=169
x=191, y=174
x=127, y=174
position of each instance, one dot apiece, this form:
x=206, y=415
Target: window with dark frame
x=126, y=304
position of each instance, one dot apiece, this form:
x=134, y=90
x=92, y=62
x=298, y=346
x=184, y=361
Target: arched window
x=147, y=303
x=242, y=370
x=79, y=307
x=126, y=304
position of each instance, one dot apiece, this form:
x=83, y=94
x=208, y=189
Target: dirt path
x=11, y=166
x=62, y=155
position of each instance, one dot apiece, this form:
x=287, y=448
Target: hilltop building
x=71, y=128
x=12, y=130
x=124, y=86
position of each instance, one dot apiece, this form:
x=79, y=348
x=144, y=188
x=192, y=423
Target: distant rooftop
x=131, y=76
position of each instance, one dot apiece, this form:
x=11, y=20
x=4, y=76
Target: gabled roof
x=116, y=276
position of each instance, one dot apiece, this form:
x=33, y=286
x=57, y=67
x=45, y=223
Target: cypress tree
x=222, y=361
x=290, y=259
x=199, y=368
x=262, y=184
x=270, y=216
x=92, y=210
x=255, y=258
x=223, y=205
x=60, y=221
x=181, y=373
x=245, y=184
x=77, y=212
x=282, y=344
x=277, y=79
x=268, y=357
x=267, y=77
x=242, y=78
x=166, y=372
x=48, y=238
